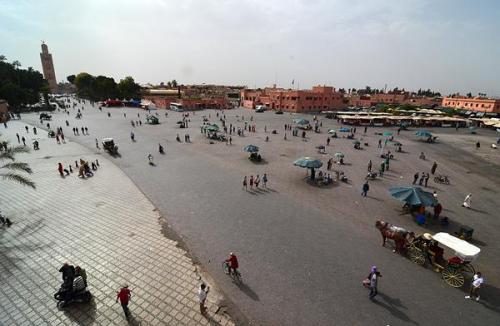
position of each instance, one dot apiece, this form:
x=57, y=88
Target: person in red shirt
x=233, y=263
x=124, y=296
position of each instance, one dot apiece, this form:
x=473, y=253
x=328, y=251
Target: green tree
x=10, y=171
x=84, y=85
x=174, y=83
x=19, y=86
x=128, y=88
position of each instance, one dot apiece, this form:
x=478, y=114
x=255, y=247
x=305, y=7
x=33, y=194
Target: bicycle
x=235, y=274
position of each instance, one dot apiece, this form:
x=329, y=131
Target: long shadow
x=82, y=313
x=490, y=298
x=248, y=291
x=479, y=211
x=392, y=307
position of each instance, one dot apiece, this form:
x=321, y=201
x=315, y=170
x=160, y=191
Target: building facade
x=49, y=72
x=189, y=99
x=479, y=104
x=319, y=98
x=367, y=100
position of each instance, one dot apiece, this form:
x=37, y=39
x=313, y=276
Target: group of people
x=85, y=169
x=76, y=131
x=255, y=181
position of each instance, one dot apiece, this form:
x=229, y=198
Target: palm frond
x=18, y=178
x=17, y=166
x=11, y=152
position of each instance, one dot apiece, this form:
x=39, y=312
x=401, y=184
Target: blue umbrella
x=343, y=129
x=301, y=122
x=423, y=133
x=308, y=162
x=414, y=196
x=251, y=149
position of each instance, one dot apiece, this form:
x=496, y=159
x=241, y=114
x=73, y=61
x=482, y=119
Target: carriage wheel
x=453, y=277
x=417, y=256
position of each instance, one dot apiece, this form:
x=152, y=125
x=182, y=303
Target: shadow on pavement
x=490, y=298
x=392, y=306
x=82, y=313
x=248, y=291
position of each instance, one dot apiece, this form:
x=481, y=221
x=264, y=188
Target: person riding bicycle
x=232, y=262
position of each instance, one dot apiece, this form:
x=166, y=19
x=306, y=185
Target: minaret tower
x=48, y=68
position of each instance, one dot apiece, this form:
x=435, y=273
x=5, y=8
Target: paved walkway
x=104, y=224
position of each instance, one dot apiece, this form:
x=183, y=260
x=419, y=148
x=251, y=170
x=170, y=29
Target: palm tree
x=12, y=168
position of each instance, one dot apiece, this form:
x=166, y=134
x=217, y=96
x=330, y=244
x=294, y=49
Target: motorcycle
x=66, y=296
x=371, y=176
x=442, y=179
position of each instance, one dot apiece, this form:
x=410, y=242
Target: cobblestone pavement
x=104, y=224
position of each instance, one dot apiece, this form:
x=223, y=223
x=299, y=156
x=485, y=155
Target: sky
x=445, y=45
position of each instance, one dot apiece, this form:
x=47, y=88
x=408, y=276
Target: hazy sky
x=446, y=45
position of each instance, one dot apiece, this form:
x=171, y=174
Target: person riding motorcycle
x=232, y=262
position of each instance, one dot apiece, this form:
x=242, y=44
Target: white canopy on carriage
x=462, y=248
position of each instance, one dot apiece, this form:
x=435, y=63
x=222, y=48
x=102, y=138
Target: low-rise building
x=187, y=99
x=4, y=111
x=319, y=98
x=480, y=104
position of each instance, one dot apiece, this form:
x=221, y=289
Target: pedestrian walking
x=83, y=131
x=86, y=130
x=379, y=143
x=109, y=115
x=27, y=129
x=202, y=297
x=62, y=138
x=264, y=180
x=24, y=141
x=427, y=176
x=477, y=282
x=421, y=181
x=434, y=167
x=34, y=130
x=373, y=277
x=467, y=201
x=366, y=187
x=381, y=170
x=251, y=182
x=230, y=140
x=57, y=139
x=124, y=296
x=60, y=169
x=370, y=166
x=18, y=138
x=415, y=178
x=132, y=136
x=245, y=183
x=478, y=145
x=96, y=143
x=437, y=210
x=328, y=141
x=257, y=181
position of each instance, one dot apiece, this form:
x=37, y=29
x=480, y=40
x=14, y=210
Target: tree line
x=101, y=88
x=20, y=87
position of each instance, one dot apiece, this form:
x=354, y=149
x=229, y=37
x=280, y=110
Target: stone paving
x=104, y=224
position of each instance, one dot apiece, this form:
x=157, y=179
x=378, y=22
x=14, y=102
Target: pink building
x=320, y=98
x=472, y=104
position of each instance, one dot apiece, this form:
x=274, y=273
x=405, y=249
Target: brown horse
x=400, y=235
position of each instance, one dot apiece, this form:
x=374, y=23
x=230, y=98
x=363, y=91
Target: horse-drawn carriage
x=109, y=145
x=425, y=250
